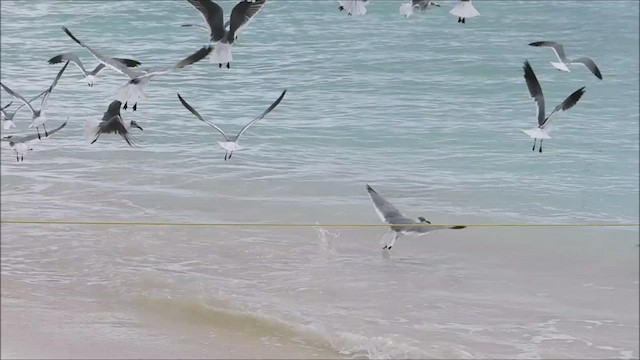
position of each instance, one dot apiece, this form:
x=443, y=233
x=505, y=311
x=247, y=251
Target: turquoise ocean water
x=426, y=110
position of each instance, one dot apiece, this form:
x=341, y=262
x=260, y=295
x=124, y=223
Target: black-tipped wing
x=113, y=110
x=385, y=210
x=194, y=112
x=128, y=62
x=116, y=126
x=109, y=62
x=590, y=64
x=535, y=90
x=69, y=57
x=17, y=97
x=191, y=59
x=241, y=15
x=213, y=16
x=273, y=106
x=6, y=106
x=555, y=46
x=53, y=85
x=567, y=104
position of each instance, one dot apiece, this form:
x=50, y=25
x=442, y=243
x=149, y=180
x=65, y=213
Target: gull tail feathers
x=537, y=133
x=91, y=128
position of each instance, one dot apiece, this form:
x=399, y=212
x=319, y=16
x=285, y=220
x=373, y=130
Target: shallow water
x=427, y=111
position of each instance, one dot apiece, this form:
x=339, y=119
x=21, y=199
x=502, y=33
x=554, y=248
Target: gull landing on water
x=389, y=214
x=231, y=143
x=39, y=117
x=354, y=7
x=111, y=123
x=542, y=130
x=564, y=63
x=221, y=33
x=21, y=144
x=89, y=76
x=133, y=91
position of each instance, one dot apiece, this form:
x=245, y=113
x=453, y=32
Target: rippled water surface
x=424, y=109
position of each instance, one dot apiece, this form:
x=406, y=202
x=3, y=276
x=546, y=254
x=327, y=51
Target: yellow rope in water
x=126, y=223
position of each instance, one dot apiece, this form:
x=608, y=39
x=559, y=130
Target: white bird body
x=564, y=62
x=560, y=66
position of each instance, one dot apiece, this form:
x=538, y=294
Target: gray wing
x=555, y=46
x=69, y=57
x=4, y=113
x=17, y=97
x=50, y=89
x=273, y=106
x=194, y=112
x=386, y=211
x=31, y=100
x=241, y=15
x=189, y=60
x=535, y=90
x=567, y=104
x=109, y=62
x=126, y=62
x=213, y=16
x=590, y=65
x=51, y=132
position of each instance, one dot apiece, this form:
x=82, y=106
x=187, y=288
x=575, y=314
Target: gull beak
x=136, y=125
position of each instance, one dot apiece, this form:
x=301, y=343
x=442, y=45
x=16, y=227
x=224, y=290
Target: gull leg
x=231, y=153
x=17, y=158
x=540, y=147
x=38, y=132
x=220, y=65
x=463, y=20
x=21, y=157
x=534, y=145
x=226, y=153
x=135, y=106
x=46, y=134
x=459, y=19
x=393, y=241
x=228, y=66
x=124, y=107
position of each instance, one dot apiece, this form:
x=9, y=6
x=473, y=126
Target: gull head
x=423, y=220
x=135, y=124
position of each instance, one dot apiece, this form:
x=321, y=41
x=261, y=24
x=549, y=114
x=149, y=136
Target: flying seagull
x=389, y=214
x=89, y=76
x=221, y=33
x=21, y=144
x=133, y=91
x=542, y=130
x=7, y=117
x=231, y=143
x=464, y=10
x=111, y=123
x=564, y=63
x=39, y=117
x=406, y=9
x=353, y=7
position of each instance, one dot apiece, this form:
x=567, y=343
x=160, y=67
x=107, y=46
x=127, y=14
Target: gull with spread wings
x=89, y=76
x=535, y=90
x=401, y=224
x=111, y=123
x=564, y=63
x=39, y=117
x=231, y=143
x=133, y=90
x=21, y=144
x=221, y=33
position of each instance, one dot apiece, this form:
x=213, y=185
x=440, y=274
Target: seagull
x=406, y=9
x=7, y=117
x=221, y=33
x=89, y=76
x=564, y=63
x=112, y=122
x=542, y=130
x=133, y=91
x=389, y=214
x=20, y=144
x=231, y=143
x=39, y=116
x=464, y=10
x=354, y=7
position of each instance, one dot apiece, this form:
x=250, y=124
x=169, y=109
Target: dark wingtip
x=535, y=43
x=457, y=227
x=55, y=60
x=129, y=62
x=369, y=188
x=71, y=35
